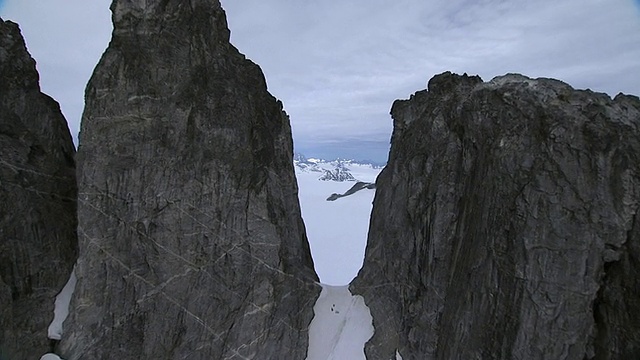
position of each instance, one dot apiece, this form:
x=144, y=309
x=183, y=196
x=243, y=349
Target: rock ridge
x=505, y=224
x=360, y=185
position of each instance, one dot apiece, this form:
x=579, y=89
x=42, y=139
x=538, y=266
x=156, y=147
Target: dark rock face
x=505, y=224
x=38, y=244
x=360, y=185
x=191, y=240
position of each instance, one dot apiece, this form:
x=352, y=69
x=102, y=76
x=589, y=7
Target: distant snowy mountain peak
x=307, y=167
x=339, y=170
x=299, y=157
x=340, y=173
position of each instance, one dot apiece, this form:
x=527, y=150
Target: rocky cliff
x=37, y=202
x=505, y=224
x=191, y=240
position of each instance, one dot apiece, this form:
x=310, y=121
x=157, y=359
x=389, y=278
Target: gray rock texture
x=191, y=241
x=360, y=185
x=38, y=245
x=505, y=224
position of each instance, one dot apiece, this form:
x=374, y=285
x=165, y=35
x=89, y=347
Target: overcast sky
x=337, y=65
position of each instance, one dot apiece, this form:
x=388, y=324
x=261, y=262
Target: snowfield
x=341, y=326
x=337, y=230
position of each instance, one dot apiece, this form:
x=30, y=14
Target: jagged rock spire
x=191, y=240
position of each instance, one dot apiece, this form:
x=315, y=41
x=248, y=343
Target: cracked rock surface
x=37, y=202
x=191, y=240
x=505, y=224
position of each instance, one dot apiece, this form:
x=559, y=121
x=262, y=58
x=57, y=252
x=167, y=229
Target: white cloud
x=338, y=65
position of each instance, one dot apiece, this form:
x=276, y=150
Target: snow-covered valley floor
x=337, y=230
x=341, y=326
x=337, y=233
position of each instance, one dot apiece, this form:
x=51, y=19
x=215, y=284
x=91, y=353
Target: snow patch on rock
x=50, y=357
x=61, y=310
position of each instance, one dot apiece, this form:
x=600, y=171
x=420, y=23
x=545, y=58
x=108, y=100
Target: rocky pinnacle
x=505, y=224
x=38, y=244
x=191, y=239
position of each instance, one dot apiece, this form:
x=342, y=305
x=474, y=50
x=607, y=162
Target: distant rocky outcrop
x=360, y=185
x=340, y=174
x=38, y=244
x=306, y=166
x=191, y=240
x=505, y=225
